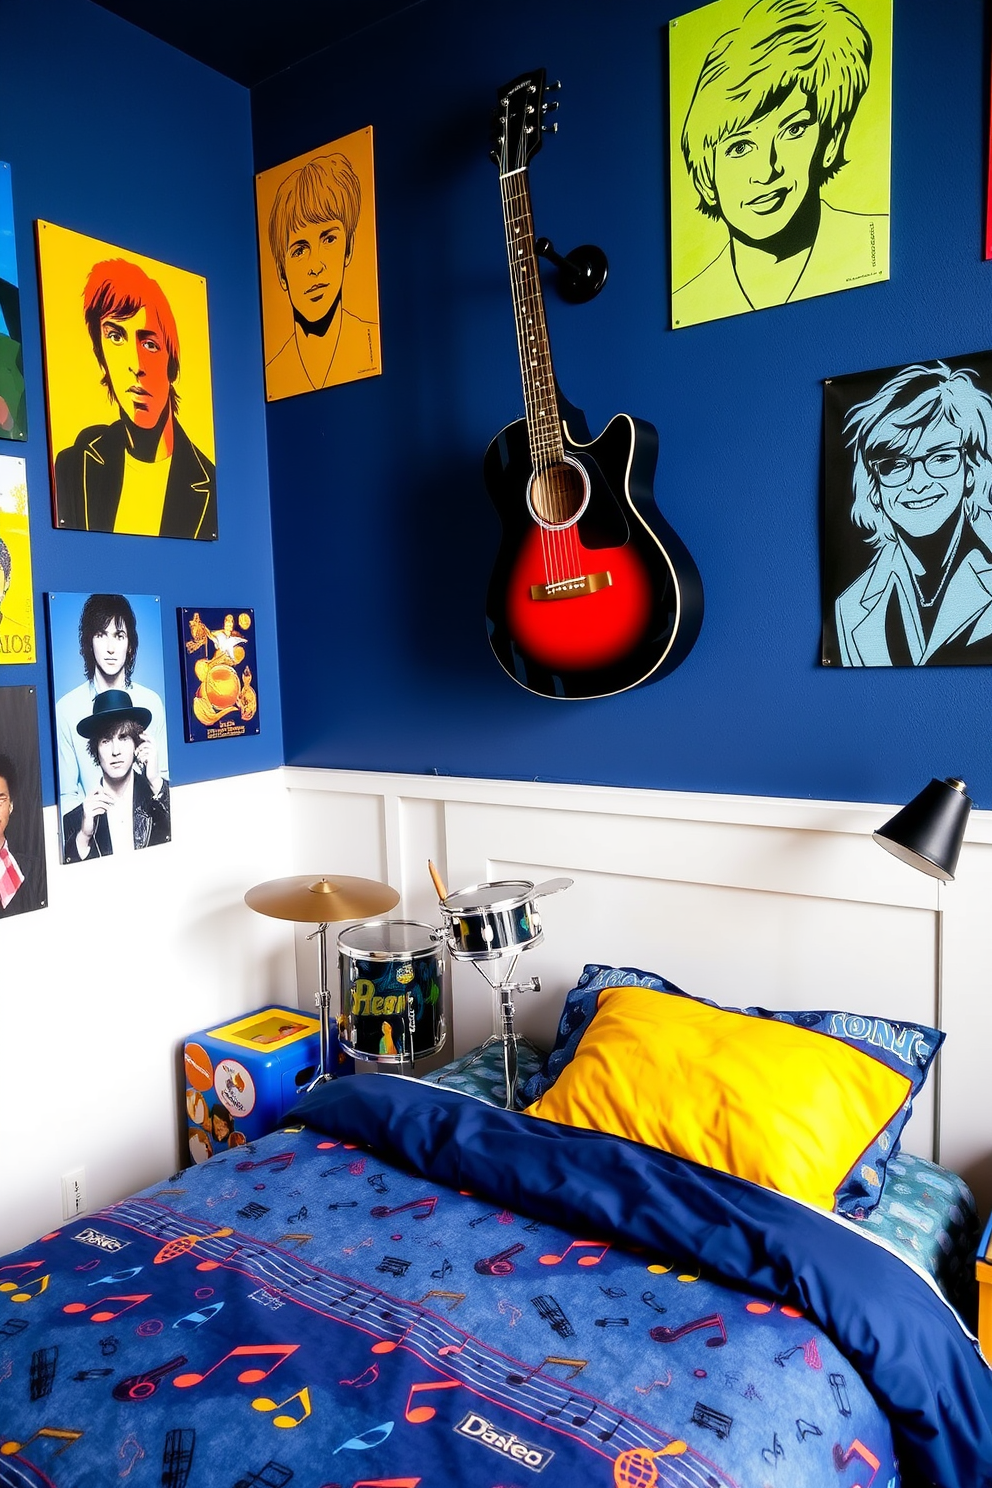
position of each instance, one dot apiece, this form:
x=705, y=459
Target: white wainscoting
x=99, y=990
x=742, y=899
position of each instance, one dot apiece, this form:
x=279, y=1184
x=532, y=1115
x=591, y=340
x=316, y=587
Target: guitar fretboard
x=543, y=428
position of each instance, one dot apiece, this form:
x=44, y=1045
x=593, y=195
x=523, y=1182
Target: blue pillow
x=908, y=1048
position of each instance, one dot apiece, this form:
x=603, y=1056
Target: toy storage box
x=242, y=1077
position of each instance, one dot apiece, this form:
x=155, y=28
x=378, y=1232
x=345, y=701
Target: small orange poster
x=317, y=255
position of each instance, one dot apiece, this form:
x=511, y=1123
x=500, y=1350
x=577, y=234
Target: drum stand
x=506, y=1036
x=323, y=999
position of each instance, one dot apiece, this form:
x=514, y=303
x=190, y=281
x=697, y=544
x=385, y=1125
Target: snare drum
x=490, y=920
x=392, y=991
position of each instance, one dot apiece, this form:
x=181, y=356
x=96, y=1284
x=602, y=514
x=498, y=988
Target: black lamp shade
x=928, y=832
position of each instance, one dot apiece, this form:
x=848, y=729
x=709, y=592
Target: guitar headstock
x=518, y=120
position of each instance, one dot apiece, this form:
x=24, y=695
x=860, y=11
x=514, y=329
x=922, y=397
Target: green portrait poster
x=780, y=149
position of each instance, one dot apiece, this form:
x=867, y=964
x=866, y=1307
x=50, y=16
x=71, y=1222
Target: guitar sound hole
x=559, y=494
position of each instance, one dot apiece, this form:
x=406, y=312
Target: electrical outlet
x=73, y=1193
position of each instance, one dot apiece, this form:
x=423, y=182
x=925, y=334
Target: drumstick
x=442, y=892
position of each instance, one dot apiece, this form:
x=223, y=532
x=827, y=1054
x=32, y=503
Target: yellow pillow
x=786, y=1107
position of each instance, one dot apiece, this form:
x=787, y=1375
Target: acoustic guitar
x=592, y=592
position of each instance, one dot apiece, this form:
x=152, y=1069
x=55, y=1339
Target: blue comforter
x=892, y=1325
x=415, y=1290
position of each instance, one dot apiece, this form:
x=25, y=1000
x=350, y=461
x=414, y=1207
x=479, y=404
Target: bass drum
x=392, y=991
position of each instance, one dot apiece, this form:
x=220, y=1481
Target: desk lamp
x=319, y=901
x=927, y=834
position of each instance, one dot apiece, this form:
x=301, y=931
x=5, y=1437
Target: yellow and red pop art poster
x=17, y=633
x=319, y=270
x=127, y=369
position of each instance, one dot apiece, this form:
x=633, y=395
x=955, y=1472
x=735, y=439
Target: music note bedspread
x=305, y=1312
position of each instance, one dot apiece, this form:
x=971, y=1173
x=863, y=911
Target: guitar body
x=588, y=606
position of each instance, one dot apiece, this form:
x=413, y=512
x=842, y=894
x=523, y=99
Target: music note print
x=140, y=1386
x=12, y=1286
x=138, y=1451
x=387, y=1483
x=286, y=1422
x=278, y=1163
x=363, y=1380
x=712, y=1320
x=661, y=1268
x=453, y=1298
x=842, y=1459
x=51, y=1433
x=574, y=1367
x=118, y=1278
x=388, y=1346
x=368, y=1439
x=105, y=1314
x=183, y=1243
x=584, y=1260
x=655, y=1385
x=28, y=1290
x=425, y=1206
x=498, y=1265
x=417, y=1414
x=243, y=1351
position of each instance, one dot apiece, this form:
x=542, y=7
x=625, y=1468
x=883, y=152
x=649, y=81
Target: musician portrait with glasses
x=922, y=487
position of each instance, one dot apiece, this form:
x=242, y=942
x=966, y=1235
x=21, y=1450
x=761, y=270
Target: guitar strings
x=552, y=476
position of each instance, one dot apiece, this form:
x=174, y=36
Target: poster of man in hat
x=110, y=723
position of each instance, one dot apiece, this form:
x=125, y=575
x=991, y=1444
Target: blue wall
x=111, y=133
x=384, y=535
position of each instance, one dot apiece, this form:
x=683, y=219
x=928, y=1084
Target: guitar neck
x=534, y=349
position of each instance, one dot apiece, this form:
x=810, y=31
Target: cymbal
x=317, y=900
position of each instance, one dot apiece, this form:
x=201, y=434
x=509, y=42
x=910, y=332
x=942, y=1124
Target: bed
x=409, y=1285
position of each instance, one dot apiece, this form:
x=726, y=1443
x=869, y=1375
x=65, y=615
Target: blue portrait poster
x=907, y=562
x=112, y=754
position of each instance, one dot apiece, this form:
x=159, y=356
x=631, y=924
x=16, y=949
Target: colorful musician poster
x=317, y=252
x=108, y=679
x=220, y=673
x=13, y=414
x=17, y=633
x=127, y=369
x=779, y=152
x=23, y=876
x=908, y=520
x=988, y=195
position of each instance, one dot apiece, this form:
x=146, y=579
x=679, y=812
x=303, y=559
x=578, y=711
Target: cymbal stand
x=323, y=1000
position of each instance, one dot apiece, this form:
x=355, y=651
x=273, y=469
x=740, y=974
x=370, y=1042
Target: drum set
x=392, y=972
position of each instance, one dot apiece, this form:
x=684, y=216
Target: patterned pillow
x=906, y=1048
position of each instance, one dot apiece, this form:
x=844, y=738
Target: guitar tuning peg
x=547, y=107
x=553, y=87
x=550, y=128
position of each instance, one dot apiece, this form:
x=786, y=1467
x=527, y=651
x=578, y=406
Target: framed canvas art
x=127, y=373
x=319, y=271
x=18, y=646
x=907, y=563
x=110, y=725
x=23, y=875
x=220, y=673
x=780, y=124
x=13, y=412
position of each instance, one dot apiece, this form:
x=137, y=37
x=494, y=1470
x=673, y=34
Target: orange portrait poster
x=127, y=372
x=319, y=272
